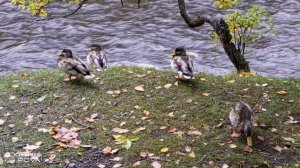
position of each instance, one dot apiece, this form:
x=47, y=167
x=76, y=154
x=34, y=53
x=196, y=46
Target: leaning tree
x=234, y=33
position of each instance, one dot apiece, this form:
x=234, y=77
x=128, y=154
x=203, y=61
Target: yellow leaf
x=167, y=86
x=164, y=150
x=282, y=92
x=205, y=94
x=232, y=146
x=231, y=81
x=140, y=88
x=192, y=154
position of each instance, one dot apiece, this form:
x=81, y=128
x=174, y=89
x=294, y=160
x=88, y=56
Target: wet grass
x=183, y=107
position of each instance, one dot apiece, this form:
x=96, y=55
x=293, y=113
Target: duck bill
x=249, y=141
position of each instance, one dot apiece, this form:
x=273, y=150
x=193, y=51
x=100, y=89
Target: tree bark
x=221, y=28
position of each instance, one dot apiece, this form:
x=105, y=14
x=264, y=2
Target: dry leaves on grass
x=114, y=93
x=205, y=94
x=140, y=88
x=67, y=137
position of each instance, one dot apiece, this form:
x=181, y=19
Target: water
x=142, y=36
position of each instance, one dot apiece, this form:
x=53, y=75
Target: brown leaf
x=260, y=138
x=195, y=132
x=172, y=129
x=248, y=149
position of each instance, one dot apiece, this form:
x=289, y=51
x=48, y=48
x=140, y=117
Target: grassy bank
x=178, y=125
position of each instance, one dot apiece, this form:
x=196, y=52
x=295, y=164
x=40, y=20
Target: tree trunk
x=221, y=28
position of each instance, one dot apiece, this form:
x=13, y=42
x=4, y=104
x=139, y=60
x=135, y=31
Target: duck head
x=95, y=47
x=66, y=53
x=179, y=51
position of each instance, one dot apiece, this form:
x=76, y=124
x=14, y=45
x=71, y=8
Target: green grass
x=187, y=102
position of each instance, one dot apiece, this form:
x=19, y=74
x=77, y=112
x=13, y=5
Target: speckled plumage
x=96, y=58
x=182, y=63
x=73, y=66
x=240, y=115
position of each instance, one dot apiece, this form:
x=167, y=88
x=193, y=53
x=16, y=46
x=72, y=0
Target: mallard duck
x=73, y=65
x=96, y=57
x=182, y=63
x=241, y=118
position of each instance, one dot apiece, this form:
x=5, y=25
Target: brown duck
x=241, y=118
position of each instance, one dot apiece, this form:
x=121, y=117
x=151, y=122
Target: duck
x=96, y=58
x=241, y=118
x=73, y=66
x=182, y=63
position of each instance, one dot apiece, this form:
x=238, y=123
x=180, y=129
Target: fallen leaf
x=172, y=129
x=28, y=119
x=117, y=165
x=179, y=133
x=138, y=163
x=138, y=130
x=14, y=139
x=195, y=132
x=203, y=79
x=122, y=123
x=289, y=139
x=282, y=92
x=273, y=129
x=140, y=88
x=100, y=165
x=107, y=150
x=164, y=150
x=156, y=164
x=117, y=159
x=260, y=138
x=163, y=127
x=125, y=141
x=264, y=85
x=278, y=148
x=205, y=94
x=231, y=81
x=188, y=149
x=31, y=147
x=120, y=130
x=167, y=86
x=41, y=98
x=232, y=146
x=67, y=137
x=171, y=114
x=225, y=166
x=2, y=122
x=12, y=97
x=192, y=154
x=144, y=154
x=248, y=149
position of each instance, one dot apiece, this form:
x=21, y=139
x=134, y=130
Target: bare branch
x=67, y=15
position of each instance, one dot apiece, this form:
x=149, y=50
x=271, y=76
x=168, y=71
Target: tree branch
x=67, y=15
x=221, y=28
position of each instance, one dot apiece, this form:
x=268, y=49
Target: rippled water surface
x=142, y=36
